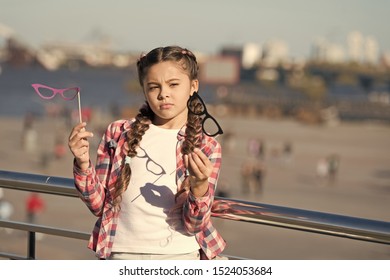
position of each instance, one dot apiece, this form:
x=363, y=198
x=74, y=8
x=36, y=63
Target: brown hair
x=193, y=134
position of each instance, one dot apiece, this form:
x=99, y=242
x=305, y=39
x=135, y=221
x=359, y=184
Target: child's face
x=167, y=88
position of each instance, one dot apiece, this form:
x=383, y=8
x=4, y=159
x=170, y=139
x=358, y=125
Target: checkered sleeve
x=197, y=210
x=92, y=184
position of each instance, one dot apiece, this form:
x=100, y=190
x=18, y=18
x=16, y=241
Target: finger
x=186, y=161
x=203, y=163
x=77, y=143
x=80, y=136
x=84, y=153
x=201, y=159
x=78, y=148
x=84, y=134
x=80, y=131
x=197, y=167
x=80, y=144
x=81, y=153
x=202, y=156
x=77, y=128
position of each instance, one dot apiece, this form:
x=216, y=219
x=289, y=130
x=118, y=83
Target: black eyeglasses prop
x=197, y=107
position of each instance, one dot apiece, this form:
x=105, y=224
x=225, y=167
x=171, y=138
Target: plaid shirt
x=96, y=188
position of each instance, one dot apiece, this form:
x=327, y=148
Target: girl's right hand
x=79, y=145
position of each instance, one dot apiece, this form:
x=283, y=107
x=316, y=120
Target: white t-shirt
x=146, y=223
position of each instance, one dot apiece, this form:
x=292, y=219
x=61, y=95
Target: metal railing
x=231, y=209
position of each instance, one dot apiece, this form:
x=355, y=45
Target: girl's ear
x=194, y=86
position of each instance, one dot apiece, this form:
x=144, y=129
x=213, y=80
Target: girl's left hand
x=200, y=168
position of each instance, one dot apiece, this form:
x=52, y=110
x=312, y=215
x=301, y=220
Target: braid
x=193, y=140
x=134, y=137
x=194, y=128
x=193, y=134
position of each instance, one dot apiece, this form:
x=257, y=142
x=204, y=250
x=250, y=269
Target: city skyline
x=201, y=26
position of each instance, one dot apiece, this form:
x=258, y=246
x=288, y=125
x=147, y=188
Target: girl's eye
x=175, y=84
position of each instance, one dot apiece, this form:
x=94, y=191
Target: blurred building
x=324, y=51
x=363, y=49
x=7, y=42
x=242, y=55
x=371, y=50
x=275, y=52
x=56, y=54
x=359, y=49
x=251, y=55
x=5, y=34
x=355, y=43
x=220, y=70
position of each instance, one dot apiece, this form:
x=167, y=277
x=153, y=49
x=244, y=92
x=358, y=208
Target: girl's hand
x=200, y=168
x=79, y=145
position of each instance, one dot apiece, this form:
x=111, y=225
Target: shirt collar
x=180, y=136
x=182, y=133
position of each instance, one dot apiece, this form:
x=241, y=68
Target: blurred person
x=252, y=176
x=256, y=148
x=261, y=155
x=287, y=152
x=322, y=170
x=44, y=159
x=59, y=145
x=246, y=171
x=333, y=167
x=34, y=206
x=29, y=120
x=154, y=181
x=258, y=174
x=6, y=210
x=29, y=134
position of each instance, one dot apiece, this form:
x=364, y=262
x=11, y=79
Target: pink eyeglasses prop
x=47, y=92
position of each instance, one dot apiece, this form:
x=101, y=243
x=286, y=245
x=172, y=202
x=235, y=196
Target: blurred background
x=301, y=89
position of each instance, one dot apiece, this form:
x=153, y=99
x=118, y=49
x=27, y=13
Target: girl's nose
x=164, y=93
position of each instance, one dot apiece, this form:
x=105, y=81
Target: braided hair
x=193, y=134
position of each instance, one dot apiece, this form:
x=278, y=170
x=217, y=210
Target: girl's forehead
x=166, y=68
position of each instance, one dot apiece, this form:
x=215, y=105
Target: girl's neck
x=169, y=124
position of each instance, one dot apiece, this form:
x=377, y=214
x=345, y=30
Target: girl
x=153, y=185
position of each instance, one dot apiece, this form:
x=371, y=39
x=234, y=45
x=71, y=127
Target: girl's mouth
x=166, y=106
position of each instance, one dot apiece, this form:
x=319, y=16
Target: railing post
x=31, y=245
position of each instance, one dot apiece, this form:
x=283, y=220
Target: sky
x=202, y=25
